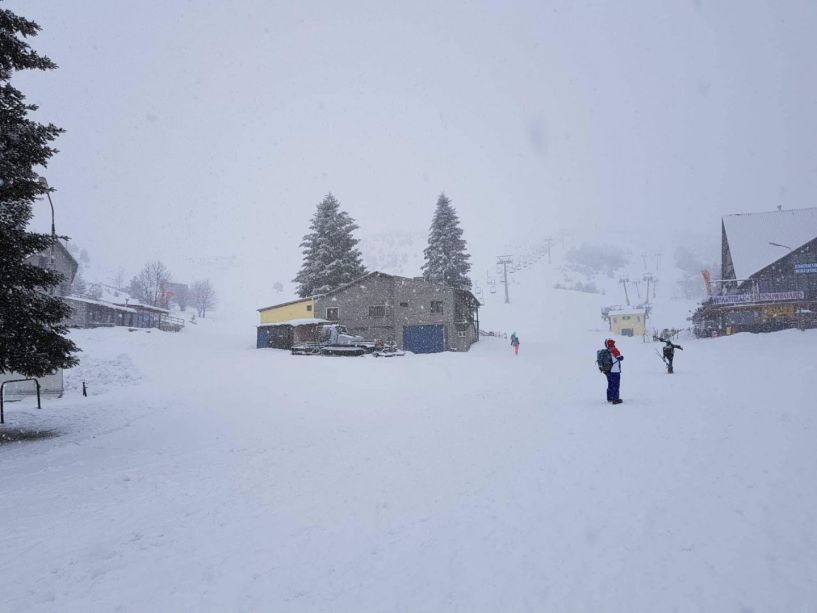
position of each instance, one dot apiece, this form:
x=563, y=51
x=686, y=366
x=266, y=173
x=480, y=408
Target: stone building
x=418, y=315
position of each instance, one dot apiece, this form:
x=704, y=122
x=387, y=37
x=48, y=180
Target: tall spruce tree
x=331, y=257
x=32, y=339
x=446, y=255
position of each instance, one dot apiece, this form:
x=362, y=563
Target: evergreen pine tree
x=32, y=338
x=446, y=256
x=331, y=257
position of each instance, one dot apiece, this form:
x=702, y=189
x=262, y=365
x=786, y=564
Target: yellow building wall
x=305, y=309
x=635, y=322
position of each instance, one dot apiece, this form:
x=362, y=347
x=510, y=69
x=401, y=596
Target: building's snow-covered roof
x=138, y=305
x=397, y=278
x=296, y=322
x=101, y=303
x=750, y=236
x=627, y=311
x=283, y=304
x=361, y=279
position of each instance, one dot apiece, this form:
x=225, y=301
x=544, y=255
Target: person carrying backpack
x=609, y=362
x=515, y=343
x=669, y=352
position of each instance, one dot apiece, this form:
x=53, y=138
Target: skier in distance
x=515, y=343
x=669, y=352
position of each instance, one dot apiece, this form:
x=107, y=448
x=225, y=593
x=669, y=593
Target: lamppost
x=42, y=181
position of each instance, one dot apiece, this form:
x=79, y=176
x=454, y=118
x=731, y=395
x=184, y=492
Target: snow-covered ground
x=203, y=474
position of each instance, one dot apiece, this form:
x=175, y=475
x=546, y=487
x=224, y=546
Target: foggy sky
x=202, y=128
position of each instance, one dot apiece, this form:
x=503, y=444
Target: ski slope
x=203, y=474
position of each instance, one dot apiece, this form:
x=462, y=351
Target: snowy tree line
x=331, y=257
x=152, y=286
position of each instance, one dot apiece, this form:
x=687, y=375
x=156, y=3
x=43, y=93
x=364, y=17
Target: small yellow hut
x=628, y=321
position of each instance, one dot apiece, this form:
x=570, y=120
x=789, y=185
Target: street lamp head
x=44, y=183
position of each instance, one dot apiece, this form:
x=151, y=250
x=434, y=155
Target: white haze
x=204, y=133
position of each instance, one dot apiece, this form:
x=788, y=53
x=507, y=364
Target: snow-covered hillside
x=203, y=474
x=396, y=253
x=543, y=303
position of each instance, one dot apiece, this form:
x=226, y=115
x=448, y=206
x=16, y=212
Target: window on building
x=404, y=304
x=461, y=334
x=332, y=313
x=308, y=307
x=625, y=317
x=436, y=306
x=377, y=311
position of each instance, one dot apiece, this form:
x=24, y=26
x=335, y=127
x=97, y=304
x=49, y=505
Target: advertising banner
x=754, y=298
x=805, y=268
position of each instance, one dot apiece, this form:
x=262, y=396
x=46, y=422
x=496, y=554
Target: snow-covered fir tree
x=331, y=257
x=446, y=257
x=32, y=339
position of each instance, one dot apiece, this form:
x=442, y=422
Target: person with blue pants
x=614, y=376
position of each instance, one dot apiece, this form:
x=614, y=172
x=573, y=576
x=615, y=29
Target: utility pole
x=548, y=242
x=626, y=295
x=650, y=279
x=504, y=260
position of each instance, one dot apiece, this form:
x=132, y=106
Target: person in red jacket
x=614, y=376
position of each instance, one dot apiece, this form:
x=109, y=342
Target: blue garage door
x=424, y=339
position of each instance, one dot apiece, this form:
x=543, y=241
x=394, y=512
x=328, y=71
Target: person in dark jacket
x=614, y=376
x=669, y=353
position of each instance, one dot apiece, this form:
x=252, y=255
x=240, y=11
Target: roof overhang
x=283, y=304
